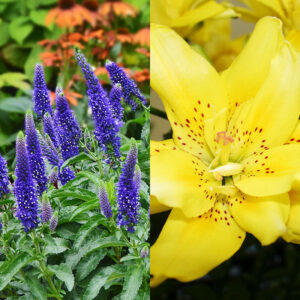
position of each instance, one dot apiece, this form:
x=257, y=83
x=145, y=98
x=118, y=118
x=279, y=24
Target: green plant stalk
x=158, y=113
x=44, y=268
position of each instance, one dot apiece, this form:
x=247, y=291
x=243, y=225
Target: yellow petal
x=178, y=179
x=270, y=172
x=249, y=70
x=156, y=207
x=295, y=136
x=264, y=217
x=293, y=224
x=275, y=5
x=189, y=87
x=204, y=11
x=273, y=114
x=188, y=249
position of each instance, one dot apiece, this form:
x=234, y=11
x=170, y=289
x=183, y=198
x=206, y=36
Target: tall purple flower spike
x=24, y=188
x=115, y=97
x=130, y=90
x=49, y=129
x=36, y=161
x=104, y=202
x=106, y=126
x=46, y=214
x=53, y=221
x=128, y=192
x=68, y=130
x=41, y=97
x=4, y=182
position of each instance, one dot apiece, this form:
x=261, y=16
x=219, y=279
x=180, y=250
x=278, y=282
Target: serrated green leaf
x=85, y=230
x=89, y=264
x=12, y=267
x=89, y=205
x=36, y=288
x=96, y=283
x=80, y=157
x=77, y=193
x=20, y=28
x=91, y=176
x=64, y=273
x=55, y=245
x=132, y=282
x=17, y=105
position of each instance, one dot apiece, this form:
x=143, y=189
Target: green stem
x=44, y=268
x=159, y=113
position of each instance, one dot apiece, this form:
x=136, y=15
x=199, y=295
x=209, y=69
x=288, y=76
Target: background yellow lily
x=230, y=165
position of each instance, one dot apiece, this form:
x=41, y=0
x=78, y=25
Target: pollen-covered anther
x=224, y=139
x=218, y=176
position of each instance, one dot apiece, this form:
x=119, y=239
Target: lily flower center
x=221, y=167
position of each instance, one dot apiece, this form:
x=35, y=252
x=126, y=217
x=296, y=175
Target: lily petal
x=292, y=234
x=250, y=69
x=264, y=217
x=179, y=179
x=260, y=128
x=156, y=207
x=189, y=248
x=270, y=172
x=189, y=87
x=295, y=137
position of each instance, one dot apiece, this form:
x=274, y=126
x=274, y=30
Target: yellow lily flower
x=183, y=15
x=230, y=165
x=287, y=10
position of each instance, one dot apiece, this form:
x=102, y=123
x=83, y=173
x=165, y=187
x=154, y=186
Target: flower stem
x=159, y=113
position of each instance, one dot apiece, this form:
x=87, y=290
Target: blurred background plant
x=47, y=31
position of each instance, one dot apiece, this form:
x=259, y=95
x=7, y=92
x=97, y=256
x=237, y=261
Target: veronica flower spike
x=130, y=89
x=36, y=160
x=235, y=152
x=24, y=188
x=68, y=130
x=4, y=182
x=106, y=126
x=41, y=97
x=128, y=191
x=104, y=201
x=115, y=98
x=49, y=129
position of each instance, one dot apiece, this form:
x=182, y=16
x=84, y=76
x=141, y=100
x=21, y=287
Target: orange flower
x=142, y=37
x=70, y=96
x=140, y=76
x=118, y=8
x=69, y=14
x=143, y=51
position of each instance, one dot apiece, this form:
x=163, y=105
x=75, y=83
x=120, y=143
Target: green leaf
x=14, y=79
x=76, y=193
x=110, y=241
x=96, y=283
x=64, y=273
x=15, y=55
x=85, y=230
x=39, y=16
x=89, y=264
x=10, y=268
x=55, y=245
x=7, y=139
x=91, y=176
x=16, y=105
x=20, y=28
x=36, y=288
x=90, y=205
x=4, y=36
x=32, y=59
x=80, y=157
x=132, y=282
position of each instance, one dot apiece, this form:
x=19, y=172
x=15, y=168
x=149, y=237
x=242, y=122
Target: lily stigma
x=232, y=165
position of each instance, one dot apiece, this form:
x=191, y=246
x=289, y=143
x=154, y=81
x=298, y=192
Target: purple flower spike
x=49, y=150
x=4, y=182
x=24, y=188
x=104, y=202
x=65, y=175
x=130, y=89
x=106, y=127
x=46, y=209
x=68, y=130
x=41, y=97
x=53, y=176
x=49, y=129
x=128, y=192
x=115, y=97
x=53, y=221
x=36, y=161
